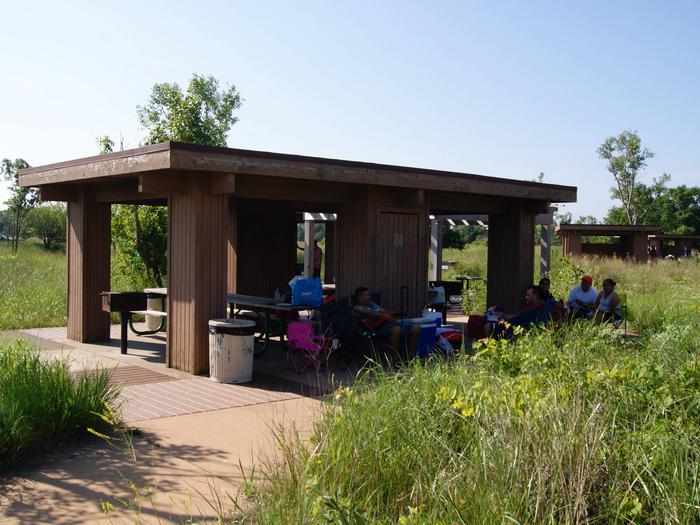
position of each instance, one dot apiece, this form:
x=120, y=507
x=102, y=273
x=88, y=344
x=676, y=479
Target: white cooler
x=231, y=346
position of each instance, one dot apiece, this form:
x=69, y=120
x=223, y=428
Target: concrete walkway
x=197, y=436
x=184, y=466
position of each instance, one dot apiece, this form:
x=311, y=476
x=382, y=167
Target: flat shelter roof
x=180, y=157
x=672, y=236
x=606, y=229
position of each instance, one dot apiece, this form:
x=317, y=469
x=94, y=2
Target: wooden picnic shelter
x=232, y=228
x=632, y=240
x=673, y=244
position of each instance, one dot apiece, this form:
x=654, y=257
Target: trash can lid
x=232, y=326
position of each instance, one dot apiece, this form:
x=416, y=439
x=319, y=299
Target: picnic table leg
x=267, y=330
x=125, y=318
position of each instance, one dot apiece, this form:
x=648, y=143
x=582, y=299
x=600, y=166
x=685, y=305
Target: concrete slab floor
x=186, y=464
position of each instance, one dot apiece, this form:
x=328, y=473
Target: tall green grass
x=43, y=406
x=32, y=287
x=572, y=425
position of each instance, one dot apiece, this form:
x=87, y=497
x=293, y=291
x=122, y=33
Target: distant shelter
x=671, y=244
x=627, y=241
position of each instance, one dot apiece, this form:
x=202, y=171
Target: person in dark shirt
x=545, y=284
x=536, y=311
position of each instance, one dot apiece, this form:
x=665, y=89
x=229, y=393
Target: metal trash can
x=231, y=345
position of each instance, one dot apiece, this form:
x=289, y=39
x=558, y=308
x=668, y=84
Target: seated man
x=582, y=298
x=535, y=311
x=384, y=322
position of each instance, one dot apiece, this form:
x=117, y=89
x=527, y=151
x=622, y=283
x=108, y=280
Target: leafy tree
x=201, y=115
x=626, y=158
x=459, y=236
x=675, y=210
x=21, y=199
x=140, y=238
x=48, y=223
x=105, y=144
x=587, y=219
x=563, y=218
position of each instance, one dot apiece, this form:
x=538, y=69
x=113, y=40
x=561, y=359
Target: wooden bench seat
x=156, y=313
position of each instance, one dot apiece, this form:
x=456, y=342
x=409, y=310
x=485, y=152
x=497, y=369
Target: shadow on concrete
x=153, y=488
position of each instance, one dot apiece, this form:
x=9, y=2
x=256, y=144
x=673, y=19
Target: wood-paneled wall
x=264, y=249
x=511, y=257
x=197, y=273
x=571, y=243
x=382, y=244
x=88, y=238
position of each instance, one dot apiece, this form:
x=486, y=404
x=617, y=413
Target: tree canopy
x=626, y=157
x=203, y=114
x=48, y=223
x=21, y=199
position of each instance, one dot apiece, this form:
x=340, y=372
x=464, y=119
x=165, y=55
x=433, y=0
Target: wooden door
x=397, y=260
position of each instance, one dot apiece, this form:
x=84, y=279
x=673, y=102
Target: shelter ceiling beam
x=59, y=192
x=163, y=183
x=249, y=187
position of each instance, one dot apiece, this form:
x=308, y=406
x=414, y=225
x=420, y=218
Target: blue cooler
x=426, y=345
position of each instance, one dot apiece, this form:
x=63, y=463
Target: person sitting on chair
x=607, y=304
x=535, y=311
x=545, y=284
x=385, y=323
x=582, y=298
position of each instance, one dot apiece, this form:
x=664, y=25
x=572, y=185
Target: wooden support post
x=262, y=249
x=511, y=257
x=198, y=242
x=309, y=233
x=329, y=256
x=88, y=266
x=639, y=246
x=545, y=249
x=571, y=243
x=435, y=250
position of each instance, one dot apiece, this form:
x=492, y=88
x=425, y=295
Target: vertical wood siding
x=197, y=273
x=366, y=254
x=265, y=253
x=88, y=267
x=511, y=252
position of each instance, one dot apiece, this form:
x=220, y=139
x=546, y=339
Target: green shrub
x=567, y=426
x=42, y=405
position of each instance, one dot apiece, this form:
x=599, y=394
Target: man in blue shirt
x=385, y=323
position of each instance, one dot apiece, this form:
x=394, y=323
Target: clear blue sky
x=499, y=88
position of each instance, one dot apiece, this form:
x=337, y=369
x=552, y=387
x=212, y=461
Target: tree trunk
x=150, y=265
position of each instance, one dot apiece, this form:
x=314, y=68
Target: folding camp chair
x=306, y=348
x=627, y=315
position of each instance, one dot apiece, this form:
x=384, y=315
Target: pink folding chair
x=304, y=347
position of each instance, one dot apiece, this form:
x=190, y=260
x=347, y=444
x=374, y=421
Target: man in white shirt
x=582, y=298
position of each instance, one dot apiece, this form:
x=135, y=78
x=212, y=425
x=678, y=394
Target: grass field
x=32, y=287
x=574, y=425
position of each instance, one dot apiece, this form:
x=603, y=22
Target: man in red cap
x=582, y=298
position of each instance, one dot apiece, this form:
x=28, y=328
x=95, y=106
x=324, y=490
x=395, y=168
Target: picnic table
x=468, y=279
x=262, y=308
